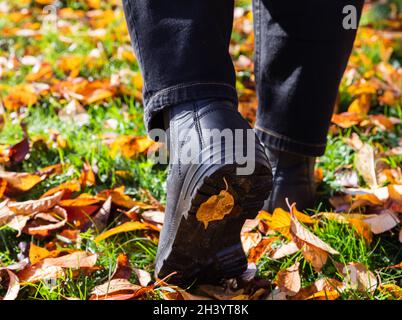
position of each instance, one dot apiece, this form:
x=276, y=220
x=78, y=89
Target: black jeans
x=301, y=51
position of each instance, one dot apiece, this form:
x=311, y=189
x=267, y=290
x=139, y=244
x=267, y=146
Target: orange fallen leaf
x=121, y=199
x=347, y=119
x=257, y=252
x=216, y=207
x=281, y=221
x=123, y=269
x=68, y=187
x=87, y=177
x=125, y=227
x=130, y=146
x=19, y=182
x=20, y=96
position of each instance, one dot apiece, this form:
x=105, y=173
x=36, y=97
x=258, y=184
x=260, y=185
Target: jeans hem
x=280, y=142
x=183, y=93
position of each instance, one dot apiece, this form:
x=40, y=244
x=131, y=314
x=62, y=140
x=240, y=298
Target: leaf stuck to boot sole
x=216, y=207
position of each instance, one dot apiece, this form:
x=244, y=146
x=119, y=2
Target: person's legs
x=189, y=88
x=182, y=49
x=301, y=52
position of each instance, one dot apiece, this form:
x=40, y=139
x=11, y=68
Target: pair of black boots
x=211, y=190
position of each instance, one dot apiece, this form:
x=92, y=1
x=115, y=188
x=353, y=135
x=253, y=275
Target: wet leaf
x=215, y=208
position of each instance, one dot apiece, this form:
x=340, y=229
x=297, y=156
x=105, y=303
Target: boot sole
x=210, y=254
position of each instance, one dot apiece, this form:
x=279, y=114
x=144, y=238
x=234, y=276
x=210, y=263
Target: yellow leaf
x=125, y=227
x=37, y=253
x=361, y=105
x=215, y=208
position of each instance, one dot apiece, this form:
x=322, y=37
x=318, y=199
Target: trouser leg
x=301, y=51
x=182, y=49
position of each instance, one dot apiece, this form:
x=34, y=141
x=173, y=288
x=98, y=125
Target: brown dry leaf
x=120, y=199
x=301, y=233
x=125, y=227
x=37, y=272
x=87, y=177
x=216, y=207
x=153, y=216
x=32, y=206
x=100, y=219
x=116, y=289
x=289, y=280
x=285, y=250
x=250, y=240
x=18, y=223
x=144, y=278
x=13, y=284
x=75, y=260
x=395, y=195
x=40, y=226
x=322, y=289
x=123, y=268
x=358, y=277
x=19, y=151
x=383, y=222
x=281, y=221
x=313, y=248
x=365, y=164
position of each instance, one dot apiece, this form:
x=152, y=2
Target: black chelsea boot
x=201, y=241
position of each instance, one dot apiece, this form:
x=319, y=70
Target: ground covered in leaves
x=81, y=205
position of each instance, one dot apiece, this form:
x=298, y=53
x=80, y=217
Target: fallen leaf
x=285, y=250
x=144, y=278
x=87, y=177
x=13, y=284
x=110, y=289
x=365, y=164
x=289, y=280
x=358, y=277
x=257, y=252
x=123, y=268
x=20, y=182
x=125, y=227
x=100, y=219
x=121, y=199
x=383, y=222
x=313, y=248
x=391, y=289
x=32, y=206
x=216, y=207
